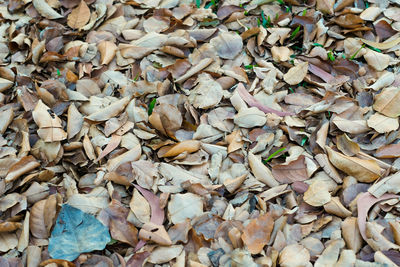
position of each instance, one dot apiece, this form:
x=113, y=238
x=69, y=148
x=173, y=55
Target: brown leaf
x=79, y=16
x=364, y=202
x=295, y=170
x=188, y=146
x=43, y=216
x=347, y=146
x=383, y=124
x=351, y=234
x=363, y=170
x=107, y=50
x=24, y=165
x=227, y=44
x=50, y=128
x=155, y=233
x=258, y=232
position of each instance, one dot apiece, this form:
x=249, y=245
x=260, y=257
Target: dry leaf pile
x=206, y=133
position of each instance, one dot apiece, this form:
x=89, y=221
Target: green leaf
x=258, y=22
x=151, y=106
x=373, y=48
x=295, y=32
x=112, y=242
x=274, y=154
x=304, y=12
x=280, y=2
x=291, y=89
x=331, y=56
x=136, y=77
x=248, y=67
x=355, y=54
x=58, y=72
x=303, y=141
x=317, y=44
x=264, y=21
x=198, y=3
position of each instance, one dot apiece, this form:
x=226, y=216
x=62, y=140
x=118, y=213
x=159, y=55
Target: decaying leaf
x=295, y=170
x=183, y=206
x=258, y=232
x=227, y=45
x=50, y=128
x=387, y=102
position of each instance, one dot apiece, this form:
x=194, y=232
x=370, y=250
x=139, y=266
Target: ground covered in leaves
x=206, y=133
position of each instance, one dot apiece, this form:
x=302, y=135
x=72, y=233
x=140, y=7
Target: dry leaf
x=295, y=170
x=50, y=128
x=347, y=146
x=79, y=16
x=183, y=206
x=258, y=232
x=107, y=51
x=260, y=171
x=296, y=74
x=227, y=44
x=351, y=234
x=317, y=194
x=363, y=170
x=155, y=233
x=207, y=94
x=24, y=165
x=294, y=255
x=383, y=124
x=387, y=102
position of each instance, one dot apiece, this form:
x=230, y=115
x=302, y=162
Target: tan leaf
x=188, y=146
x=50, y=127
x=390, y=184
x=155, y=233
x=383, y=124
x=130, y=155
x=42, y=218
x=317, y=194
x=140, y=207
x=296, y=74
x=207, y=94
x=8, y=241
x=281, y=53
x=75, y=121
x=45, y=10
x=79, y=16
x=325, y=6
x=376, y=60
x=387, y=102
x=347, y=146
x=260, y=171
x=351, y=126
x=258, y=232
x=351, y=234
x=376, y=240
x=6, y=118
x=87, y=87
x=295, y=170
x=335, y=207
x=250, y=117
x=363, y=170
x=24, y=165
x=107, y=51
x=9, y=226
x=23, y=241
x=110, y=111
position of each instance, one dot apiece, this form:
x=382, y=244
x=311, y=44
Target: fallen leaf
x=347, y=146
x=294, y=255
x=76, y=232
x=50, y=128
x=258, y=232
x=363, y=170
x=79, y=16
x=296, y=74
x=387, y=102
x=107, y=51
x=24, y=165
x=317, y=194
x=227, y=44
x=260, y=171
x=183, y=206
x=388, y=151
x=383, y=124
x=351, y=234
x=295, y=170
x=364, y=202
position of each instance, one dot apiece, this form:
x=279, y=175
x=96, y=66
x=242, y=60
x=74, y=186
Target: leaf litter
x=199, y=133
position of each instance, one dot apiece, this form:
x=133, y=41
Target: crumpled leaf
x=76, y=232
x=351, y=234
x=294, y=255
x=258, y=232
x=317, y=194
x=260, y=171
x=383, y=124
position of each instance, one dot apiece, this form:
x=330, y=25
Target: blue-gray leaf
x=76, y=232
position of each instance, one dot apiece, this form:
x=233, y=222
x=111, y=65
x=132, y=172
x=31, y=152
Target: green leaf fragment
x=303, y=141
x=295, y=32
x=151, y=106
x=274, y=154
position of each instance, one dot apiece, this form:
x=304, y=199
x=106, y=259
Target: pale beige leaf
x=387, y=102
x=375, y=238
x=24, y=165
x=107, y=50
x=383, y=124
x=39, y=225
x=296, y=74
x=45, y=10
x=351, y=126
x=351, y=234
x=140, y=207
x=92, y=203
x=335, y=207
x=110, y=111
x=184, y=206
x=331, y=254
x=79, y=16
x=281, y=53
x=50, y=127
x=363, y=170
x=325, y=6
x=260, y=171
x=130, y=155
x=390, y=184
x=87, y=87
x=8, y=241
x=75, y=121
x=6, y=118
x=317, y=194
x=195, y=69
x=294, y=255
x=155, y=233
x=250, y=117
x=376, y=60
x=207, y=94
x=164, y=254
x=23, y=241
